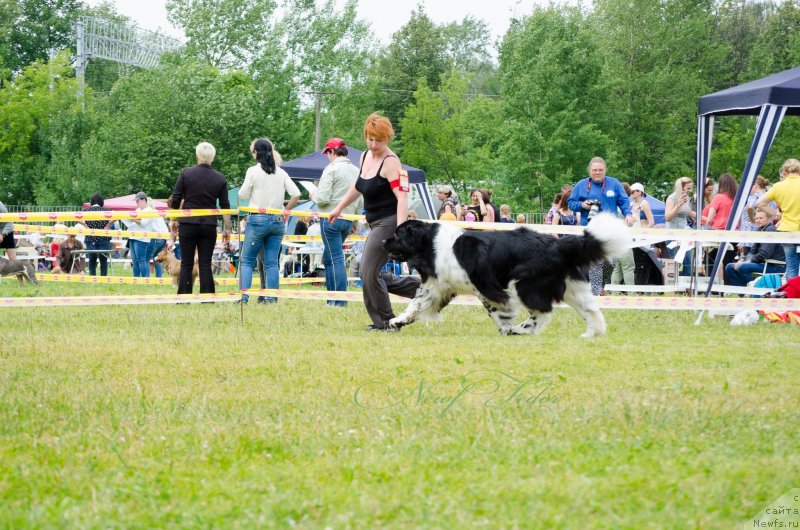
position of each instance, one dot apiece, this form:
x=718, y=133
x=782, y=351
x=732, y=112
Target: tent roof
x=310, y=166
x=126, y=203
x=657, y=208
x=782, y=88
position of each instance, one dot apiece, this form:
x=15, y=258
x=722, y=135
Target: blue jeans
x=156, y=246
x=263, y=231
x=98, y=245
x=141, y=267
x=744, y=274
x=792, y=260
x=333, y=236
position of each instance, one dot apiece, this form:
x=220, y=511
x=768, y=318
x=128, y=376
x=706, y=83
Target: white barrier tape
x=109, y=215
x=302, y=239
x=89, y=231
x=652, y=234
x=606, y=302
x=76, y=301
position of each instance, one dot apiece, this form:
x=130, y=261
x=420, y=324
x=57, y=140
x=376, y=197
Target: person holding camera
x=599, y=193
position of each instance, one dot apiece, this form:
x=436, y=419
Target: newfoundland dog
x=506, y=269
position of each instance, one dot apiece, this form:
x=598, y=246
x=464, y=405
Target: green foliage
x=553, y=101
x=445, y=132
x=29, y=29
x=417, y=51
x=154, y=119
x=28, y=107
x=620, y=80
x=656, y=73
x=223, y=33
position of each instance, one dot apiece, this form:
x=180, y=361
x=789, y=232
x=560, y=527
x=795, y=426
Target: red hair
x=378, y=127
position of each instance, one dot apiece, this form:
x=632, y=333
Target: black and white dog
x=506, y=269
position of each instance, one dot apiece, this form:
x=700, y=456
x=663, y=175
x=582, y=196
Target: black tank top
x=379, y=199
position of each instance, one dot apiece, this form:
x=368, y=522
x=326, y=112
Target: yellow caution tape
x=298, y=213
x=109, y=216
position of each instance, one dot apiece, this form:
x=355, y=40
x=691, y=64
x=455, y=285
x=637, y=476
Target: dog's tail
x=606, y=237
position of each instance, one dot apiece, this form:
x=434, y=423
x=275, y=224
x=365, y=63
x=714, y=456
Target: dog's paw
x=397, y=323
x=520, y=329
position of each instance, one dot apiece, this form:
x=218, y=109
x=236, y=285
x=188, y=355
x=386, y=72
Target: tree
x=35, y=27
x=656, y=71
x=223, y=33
x=553, y=103
x=418, y=51
x=153, y=119
x=28, y=107
x=443, y=134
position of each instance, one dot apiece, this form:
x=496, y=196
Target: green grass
x=182, y=416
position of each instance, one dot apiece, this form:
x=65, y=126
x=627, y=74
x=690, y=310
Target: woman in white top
x=265, y=185
x=140, y=245
x=640, y=208
x=156, y=245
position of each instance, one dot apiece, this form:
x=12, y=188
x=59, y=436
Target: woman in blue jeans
x=265, y=185
x=337, y=178
x=140, y=245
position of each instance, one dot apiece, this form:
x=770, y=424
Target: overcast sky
x=385, y=17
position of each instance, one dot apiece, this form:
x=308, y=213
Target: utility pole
x=318, y=128
x=81, y=59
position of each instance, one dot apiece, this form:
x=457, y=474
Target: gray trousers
x=624, y=268
x=376, y=284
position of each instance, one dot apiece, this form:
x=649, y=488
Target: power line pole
x=318, y=128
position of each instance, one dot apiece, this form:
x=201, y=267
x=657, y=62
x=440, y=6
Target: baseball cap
x=140, y=195
x=636, y=186
x=333, y=143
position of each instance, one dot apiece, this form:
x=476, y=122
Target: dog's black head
x=410, y=239
x=413, y=242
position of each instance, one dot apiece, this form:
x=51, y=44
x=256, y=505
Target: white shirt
x=267, y=190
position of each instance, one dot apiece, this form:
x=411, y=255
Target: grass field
x=182, y=416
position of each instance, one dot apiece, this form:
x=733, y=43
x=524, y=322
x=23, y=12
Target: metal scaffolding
x=98, y=38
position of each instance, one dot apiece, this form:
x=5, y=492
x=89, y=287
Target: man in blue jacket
x=612, y=198
x=599, y=187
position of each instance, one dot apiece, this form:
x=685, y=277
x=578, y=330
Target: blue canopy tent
x=657, y=208
x=769, y=98
x=310, y=166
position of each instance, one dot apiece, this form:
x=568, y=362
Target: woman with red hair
x=384, y=186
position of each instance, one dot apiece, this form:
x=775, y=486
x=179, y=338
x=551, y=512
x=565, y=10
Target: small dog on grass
x=173, y=265
x=23, y=270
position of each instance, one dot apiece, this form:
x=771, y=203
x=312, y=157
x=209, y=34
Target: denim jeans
x=156, y=246
x=792, y=260
x=744, y=274
x=263, y=231
x=141, y=267
x=333, y=236
x=98, y=245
